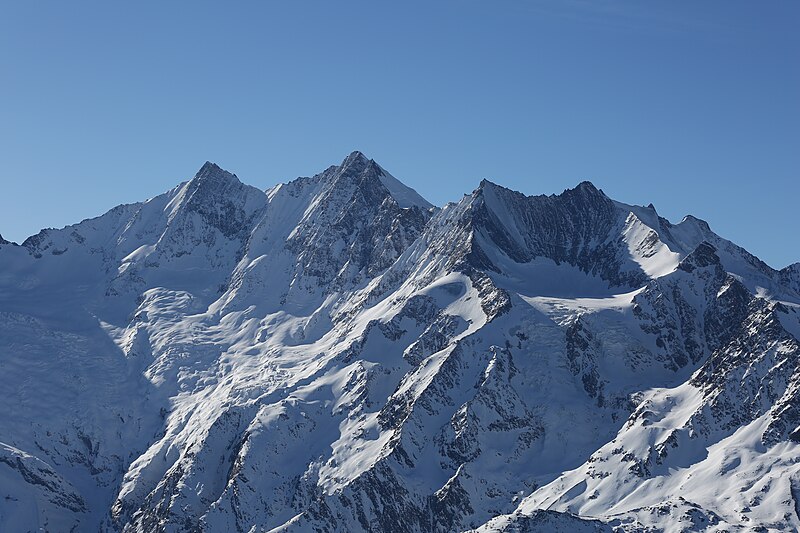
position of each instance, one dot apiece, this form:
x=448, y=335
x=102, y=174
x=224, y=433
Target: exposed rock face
x=790, y=276
x=336, y=354
x=580, y=227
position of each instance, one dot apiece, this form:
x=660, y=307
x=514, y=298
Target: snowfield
x=337, y=354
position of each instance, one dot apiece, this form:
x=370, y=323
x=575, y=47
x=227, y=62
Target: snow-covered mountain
x=336, y=354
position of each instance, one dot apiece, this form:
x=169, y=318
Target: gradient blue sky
x=694, y=106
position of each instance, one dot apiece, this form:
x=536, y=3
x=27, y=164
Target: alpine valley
x=335, y=354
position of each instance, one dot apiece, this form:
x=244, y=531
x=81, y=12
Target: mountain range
x=337, y=354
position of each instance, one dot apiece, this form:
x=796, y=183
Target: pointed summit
x=790, y=275
x=696, y=222
x=704, y=255
x=208, y=167
x=355, y=155
x=366, y=171
x=219, y=198
x=585, y=188
x=210, y=184
x=587, y=185
x=213, y=173
x=490, y=188
x=485, y=183
x=794, y=267
x=355, y=162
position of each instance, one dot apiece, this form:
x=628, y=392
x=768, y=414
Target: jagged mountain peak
x=214, y=188
x=584, y=200
x=704, y=255
x=584, y=190
x=584, y=196
x=794, y=267
x=487, y=183
x=358, y=167
x=586, y=187
x=790, y=275
x=210, y=168
x=695, y=221
x=581, y=227
x=356, y=157
x=356, y=163
x=211, y=177
x=372, y=180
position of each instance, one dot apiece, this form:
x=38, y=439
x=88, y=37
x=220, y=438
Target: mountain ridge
x=336, y=354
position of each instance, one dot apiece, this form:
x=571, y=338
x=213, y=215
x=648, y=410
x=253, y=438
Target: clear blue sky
x=694, y=106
